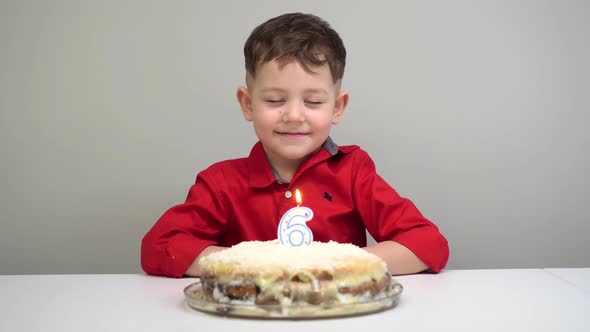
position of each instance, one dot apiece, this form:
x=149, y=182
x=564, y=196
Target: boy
x=294, y=69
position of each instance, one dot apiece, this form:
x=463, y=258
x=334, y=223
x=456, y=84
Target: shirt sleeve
x=183, y=231
x=388, y=216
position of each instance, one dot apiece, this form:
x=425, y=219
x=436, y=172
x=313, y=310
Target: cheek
x=262, y=131
x=321, y=120
x=263, y=120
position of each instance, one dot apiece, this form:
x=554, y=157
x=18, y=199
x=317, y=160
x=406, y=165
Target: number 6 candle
x=292, y=229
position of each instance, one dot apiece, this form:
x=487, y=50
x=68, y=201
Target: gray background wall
x=476, y=110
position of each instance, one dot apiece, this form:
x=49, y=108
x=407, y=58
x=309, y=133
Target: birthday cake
x=269, y=273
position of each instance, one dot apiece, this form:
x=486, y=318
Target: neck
x=285, y=171
x=286, y=168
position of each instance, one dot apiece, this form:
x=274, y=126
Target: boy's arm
x=183, y=232
x=407, y=241
x=399, y=259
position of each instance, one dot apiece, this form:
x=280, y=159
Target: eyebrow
x=322, y=91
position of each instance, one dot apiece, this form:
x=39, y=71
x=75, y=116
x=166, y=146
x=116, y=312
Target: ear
x=340, y=106
x=245, y=101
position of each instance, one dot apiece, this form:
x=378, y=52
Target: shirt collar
x=331, y=146
x=261, y=172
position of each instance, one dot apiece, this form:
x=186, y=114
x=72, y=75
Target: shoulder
x=354, y=158
x=354, y=153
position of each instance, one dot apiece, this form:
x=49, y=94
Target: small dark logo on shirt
x=327, y=196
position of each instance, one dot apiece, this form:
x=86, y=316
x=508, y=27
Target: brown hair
x=305, y=38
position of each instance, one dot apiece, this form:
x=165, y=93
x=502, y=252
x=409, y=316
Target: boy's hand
x=399, y=259
x=193, y=270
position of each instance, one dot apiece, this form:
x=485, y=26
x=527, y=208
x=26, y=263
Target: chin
x=298, y=155
x=293, y=152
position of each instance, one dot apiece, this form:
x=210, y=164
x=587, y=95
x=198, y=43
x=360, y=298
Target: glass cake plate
x=196, y=299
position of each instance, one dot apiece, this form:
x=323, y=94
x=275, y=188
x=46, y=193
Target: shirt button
x=288, y=194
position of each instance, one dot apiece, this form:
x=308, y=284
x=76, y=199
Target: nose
x=294, y=112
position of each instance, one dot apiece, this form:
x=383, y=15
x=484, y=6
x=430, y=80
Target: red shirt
x=242, y=200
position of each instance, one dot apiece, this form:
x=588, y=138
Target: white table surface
x=577, y=277
x=457, y=300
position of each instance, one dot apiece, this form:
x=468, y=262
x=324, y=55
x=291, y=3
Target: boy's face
x=292, y=110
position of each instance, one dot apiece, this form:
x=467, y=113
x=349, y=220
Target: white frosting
x=271, y=253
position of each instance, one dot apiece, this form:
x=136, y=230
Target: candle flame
x=298, y=197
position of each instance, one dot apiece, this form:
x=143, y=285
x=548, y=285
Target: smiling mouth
x=291, y=134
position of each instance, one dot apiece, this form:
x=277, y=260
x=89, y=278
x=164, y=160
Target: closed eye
x=274, y=101
x=314, y=103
